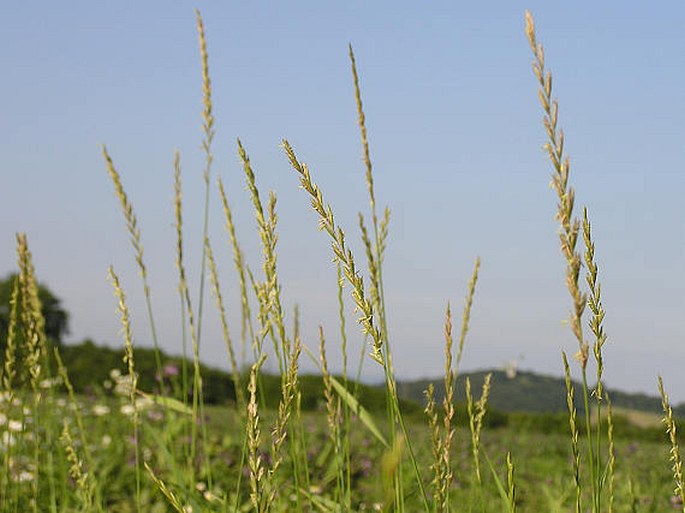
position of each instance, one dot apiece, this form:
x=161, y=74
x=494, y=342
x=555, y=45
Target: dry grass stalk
x=83, y=480
x=436, y=444
x=208, y=132
x=595, y=304
x=253, y=439
x=32, y=319
x=9, y=365
x=62, y=370
x=365, y=142
x=511, y=487
x=574, y=431
x=570, y=226
x=334, y=413
x=364, y=306
x=477, y=412
x=134, y=237
x=238, y=260
x=130, y=363
x=170, y=495
x=235, y=372
x=612, y=452
x=280, y=430
x=448, y=416
x=671, y=430
x=341, y=252
x=266, y=222
x=188, y=313
x=374, y=269
x=467, y=309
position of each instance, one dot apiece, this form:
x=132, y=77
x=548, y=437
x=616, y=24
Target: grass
x=164, y=449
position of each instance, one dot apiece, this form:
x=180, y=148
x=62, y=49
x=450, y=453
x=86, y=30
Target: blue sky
x=456, y=141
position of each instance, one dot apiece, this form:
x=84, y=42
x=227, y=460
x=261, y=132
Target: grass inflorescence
x=127, y=448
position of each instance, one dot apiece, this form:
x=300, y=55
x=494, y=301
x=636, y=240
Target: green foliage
x=56, y=318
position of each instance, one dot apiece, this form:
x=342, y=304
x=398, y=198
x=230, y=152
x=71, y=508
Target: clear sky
x=456, y=141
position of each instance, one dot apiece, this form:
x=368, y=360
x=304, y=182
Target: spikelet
x=266, y=223
x=448, y=415
x=341, y=252
x=83, y=480
x=570, y=226
x=574, y=431
x=253, y=438
x=235, y=372
x=671, y=430
x=246, y=317
x=467, y=309
x=134, y=237
x=10, y=364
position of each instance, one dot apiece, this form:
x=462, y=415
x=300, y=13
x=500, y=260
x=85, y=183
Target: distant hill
x=89, y=367
x=527, y=392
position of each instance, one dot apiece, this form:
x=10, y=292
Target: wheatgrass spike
x=197, y=397
x=83, y=480
x=8, y=376
x=266, y=222
x=208, y=132
x=9, y=365
x=365, y=142
x=35, y=353
x=182, y=283
x=597, y=328
x=511, y=487
x=570, y=226
x=672, y=432
x=247, y=328
x=467, y=310
x=341, y=252
x=235, y=371
x=448, y=408
x=134, y=237
x=569, y=234
x=253, y=439
x=168, y=494
x=364, y=306
x=436, y=444
x=574, y=431
x=279, y=432
x=129, y=359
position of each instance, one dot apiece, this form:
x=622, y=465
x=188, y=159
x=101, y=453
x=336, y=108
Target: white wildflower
x=15, y=426
x=100, y=409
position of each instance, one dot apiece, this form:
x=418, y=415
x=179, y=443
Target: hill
x=528, y=392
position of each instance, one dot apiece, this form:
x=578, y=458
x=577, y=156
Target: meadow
x=140, y=444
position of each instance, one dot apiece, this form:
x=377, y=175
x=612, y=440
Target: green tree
x=56, y=318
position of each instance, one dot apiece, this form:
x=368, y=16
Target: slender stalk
x=362, y=302
x=235, y=372
x=247, y=327
x=574, y=432
x=130, y=361
x=134, y=237
x=208, y=132
x=672, y=431
x=612, y=456
x=266, y=222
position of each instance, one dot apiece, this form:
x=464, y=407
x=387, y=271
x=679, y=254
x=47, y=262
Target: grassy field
x=543, y=470
x=129, y=447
